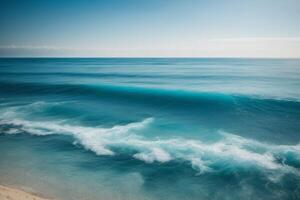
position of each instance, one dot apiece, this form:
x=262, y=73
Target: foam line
x=231, y=151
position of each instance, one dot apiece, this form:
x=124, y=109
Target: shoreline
x=11, y=193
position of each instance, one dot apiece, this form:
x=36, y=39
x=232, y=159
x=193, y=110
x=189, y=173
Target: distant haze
x=150, y=28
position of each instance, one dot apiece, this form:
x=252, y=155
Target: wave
x=230, y=152
x=134, y=93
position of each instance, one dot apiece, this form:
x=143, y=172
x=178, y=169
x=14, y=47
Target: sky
x=150, y=28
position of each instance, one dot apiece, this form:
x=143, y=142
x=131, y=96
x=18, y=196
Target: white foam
x=154, y=154
x=230, y=151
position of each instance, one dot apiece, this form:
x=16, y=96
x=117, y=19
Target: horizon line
x=201, y=57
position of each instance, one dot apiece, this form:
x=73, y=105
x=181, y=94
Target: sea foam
x=230, y=151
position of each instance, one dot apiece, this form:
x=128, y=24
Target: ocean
x=151, y=128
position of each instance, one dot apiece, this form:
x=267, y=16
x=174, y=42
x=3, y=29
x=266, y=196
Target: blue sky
x=189, y=28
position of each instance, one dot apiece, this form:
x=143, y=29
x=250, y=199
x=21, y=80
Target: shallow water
x=151, y=128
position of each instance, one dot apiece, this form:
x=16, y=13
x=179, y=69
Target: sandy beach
x=8, y=193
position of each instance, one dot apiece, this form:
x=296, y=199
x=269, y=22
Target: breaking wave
x=230, y=152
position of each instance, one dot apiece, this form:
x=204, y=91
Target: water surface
x=151, y=128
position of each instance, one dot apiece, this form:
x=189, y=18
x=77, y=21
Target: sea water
x=151, y=128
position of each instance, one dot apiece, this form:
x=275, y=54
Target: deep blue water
x=151, y=128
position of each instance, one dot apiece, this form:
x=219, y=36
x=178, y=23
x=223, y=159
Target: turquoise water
x=151, y=128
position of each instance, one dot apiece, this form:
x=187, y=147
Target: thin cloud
x=205, y=47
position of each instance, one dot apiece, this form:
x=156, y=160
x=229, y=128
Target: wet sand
x=8, y=193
